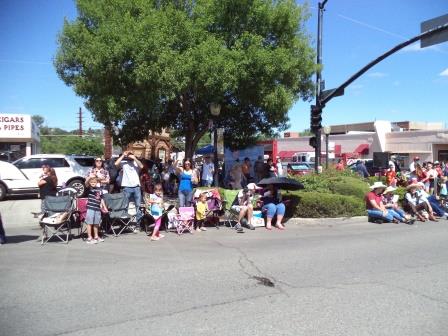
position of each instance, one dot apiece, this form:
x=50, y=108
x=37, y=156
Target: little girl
x=201, y=212
x=155, y=203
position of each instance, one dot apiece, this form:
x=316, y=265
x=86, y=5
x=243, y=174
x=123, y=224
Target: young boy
x=95, y=204
x=201, y=212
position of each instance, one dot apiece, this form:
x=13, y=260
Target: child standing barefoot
x=95, y=204
x=201, y=212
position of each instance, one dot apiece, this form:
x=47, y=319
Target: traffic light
x=313, y=142
x=316, y=118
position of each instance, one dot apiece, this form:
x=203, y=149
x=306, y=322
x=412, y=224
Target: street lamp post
x=215, y=110
x=327, y=131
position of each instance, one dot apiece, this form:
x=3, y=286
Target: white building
x=19, y=136
x=407, y=139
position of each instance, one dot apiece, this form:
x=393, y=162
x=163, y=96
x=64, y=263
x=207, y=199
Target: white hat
x=412, y=185
x=253, y=186
x=389, y=189
x=378, y=185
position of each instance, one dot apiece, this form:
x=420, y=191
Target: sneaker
x=250, y=226
x=99, y=240
x=134, y=229
x=203, y=229
x=240, y=230
x=238, y=226
x=91, y=241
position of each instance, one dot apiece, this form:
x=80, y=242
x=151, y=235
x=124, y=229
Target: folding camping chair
x=117, y=205
x=185, y=220
x=57, y=218
x=230, y=215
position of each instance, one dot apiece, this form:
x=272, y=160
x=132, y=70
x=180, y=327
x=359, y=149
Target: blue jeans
x=398, y=214
x=136, y=194
x=206, y=183
x=379, y=215
x=185, y=197
x=435, y=205
x=271, y=209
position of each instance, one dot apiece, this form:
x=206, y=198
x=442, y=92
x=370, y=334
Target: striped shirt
x=94, y=199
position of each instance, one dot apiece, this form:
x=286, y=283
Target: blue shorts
x=93, y=217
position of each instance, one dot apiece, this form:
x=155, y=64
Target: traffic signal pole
x=316, y=111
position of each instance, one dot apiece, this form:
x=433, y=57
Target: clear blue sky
x=410, y=85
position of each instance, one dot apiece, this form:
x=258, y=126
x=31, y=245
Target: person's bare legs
x=242, y=213
x=250, y=211
x=279, y=224
x=268, y=223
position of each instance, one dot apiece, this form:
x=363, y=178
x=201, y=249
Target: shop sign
x=15, y=126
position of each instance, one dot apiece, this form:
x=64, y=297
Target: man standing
x=279, y=167
x=412, y=165
x=130, y=181
x=207, y=172
x=259, y=169
x=361, y=169
x=246, y=167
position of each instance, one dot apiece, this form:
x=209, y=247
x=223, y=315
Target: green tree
x=148, y=64
x=38, y=120
x=72, y=145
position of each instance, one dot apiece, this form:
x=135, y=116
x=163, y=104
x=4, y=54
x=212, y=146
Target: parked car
x=299, y=168
x=14, y=182
x=70, y=169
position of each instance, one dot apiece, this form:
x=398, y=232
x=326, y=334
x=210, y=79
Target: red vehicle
x=299, y=168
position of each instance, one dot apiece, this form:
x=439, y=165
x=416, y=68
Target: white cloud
x=377, y=74
x=444, y=72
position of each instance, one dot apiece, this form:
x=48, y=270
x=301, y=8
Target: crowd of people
x=426, y=193
x=148, y=183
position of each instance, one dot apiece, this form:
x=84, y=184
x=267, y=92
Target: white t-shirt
x=207, y=171
x=130, y=174
x=279, y=169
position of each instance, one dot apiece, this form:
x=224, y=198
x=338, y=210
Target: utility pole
x=80, y=122
x=316, y=110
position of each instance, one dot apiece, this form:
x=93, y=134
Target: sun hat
x=436, y=162
x=378, y=185
x=389, y=189
x=412, y=185
x=253, y=186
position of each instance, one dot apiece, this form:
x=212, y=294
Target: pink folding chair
x=185, y=220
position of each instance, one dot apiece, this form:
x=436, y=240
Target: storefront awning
x=286, y=154
x=362, y=149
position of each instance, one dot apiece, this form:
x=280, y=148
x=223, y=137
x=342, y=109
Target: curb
x=300, y=220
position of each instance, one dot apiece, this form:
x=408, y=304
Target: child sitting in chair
x=201, y=212
x=95, y=204
x=155, y=203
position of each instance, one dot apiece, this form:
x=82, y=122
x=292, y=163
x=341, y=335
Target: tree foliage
x=148, y=64
x=72, y=145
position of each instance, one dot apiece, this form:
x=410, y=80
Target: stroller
x=57, y=218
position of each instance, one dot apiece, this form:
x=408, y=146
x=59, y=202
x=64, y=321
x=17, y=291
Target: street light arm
x=379, y=59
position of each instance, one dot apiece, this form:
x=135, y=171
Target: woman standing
x=47, y=184
x=99, y=172
x=187, y=178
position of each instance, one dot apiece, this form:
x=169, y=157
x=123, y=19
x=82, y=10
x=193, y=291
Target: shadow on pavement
x=20, y=239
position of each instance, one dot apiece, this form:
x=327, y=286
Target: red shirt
x=372, y=196
x=390, y=175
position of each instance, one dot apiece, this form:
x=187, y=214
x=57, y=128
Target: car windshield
x=299, y=167
x=85, y=161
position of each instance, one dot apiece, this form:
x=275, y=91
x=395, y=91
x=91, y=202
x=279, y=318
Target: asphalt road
x=331, y=277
